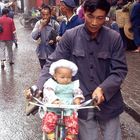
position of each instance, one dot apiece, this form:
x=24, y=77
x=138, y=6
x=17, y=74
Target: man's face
x=63, y=8
x=46, y=15
x=94, y=20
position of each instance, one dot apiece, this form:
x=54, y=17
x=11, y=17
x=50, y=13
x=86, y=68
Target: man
x=135, y=20
x=6, y=37
x=2, y=5
x=100, y=56
x=46, y=30
x=72, y=20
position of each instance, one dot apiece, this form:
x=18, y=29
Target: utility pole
x=22, y=5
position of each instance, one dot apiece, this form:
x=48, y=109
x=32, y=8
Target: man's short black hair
x=5, y=11
x=46, y=7
x=92, y=5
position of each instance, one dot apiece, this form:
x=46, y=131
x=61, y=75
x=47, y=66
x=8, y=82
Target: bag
x=1, y=28
x=30, y=108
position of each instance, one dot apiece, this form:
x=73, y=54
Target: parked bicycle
x=29, y=20
x=60, y=131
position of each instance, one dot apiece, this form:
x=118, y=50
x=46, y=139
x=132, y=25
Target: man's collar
x=68, y=20
x=87, y=35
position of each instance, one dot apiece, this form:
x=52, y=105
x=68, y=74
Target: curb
x=132, y=112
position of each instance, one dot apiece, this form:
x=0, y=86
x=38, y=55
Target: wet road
x=14, y=124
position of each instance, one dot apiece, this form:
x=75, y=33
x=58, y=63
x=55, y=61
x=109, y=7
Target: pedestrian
x=72, y=20
x=80, y=10
x=45, y=30
x=135, y=21
x=2, y=5
x=11, y=15
x=100, y=56
x=62, y=90
x=6, y=37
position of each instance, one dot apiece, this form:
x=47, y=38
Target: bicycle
x=29, y=20
x=60, y=131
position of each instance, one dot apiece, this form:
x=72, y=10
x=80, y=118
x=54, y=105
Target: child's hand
x=56, y=102
x=77, y=101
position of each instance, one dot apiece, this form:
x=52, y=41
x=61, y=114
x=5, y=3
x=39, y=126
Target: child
x=60, y=89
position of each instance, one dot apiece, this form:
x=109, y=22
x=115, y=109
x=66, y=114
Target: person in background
x=54, y=12
x=67, y=8
x=6, y=37
x=2, y=5
x=11, y=7
x=99, y=54
x=60, y=89
x=45, y=31
x=135, y=21
x=111, y=22
x=80, y=10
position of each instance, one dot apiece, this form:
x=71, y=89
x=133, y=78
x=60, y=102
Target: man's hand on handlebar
x=98, y=96
x=32, y=92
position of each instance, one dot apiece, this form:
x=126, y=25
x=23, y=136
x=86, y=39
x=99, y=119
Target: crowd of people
x=127, y=17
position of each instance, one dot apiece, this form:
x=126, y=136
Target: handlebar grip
x=95, y=100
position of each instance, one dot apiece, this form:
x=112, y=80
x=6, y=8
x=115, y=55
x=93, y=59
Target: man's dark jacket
x=101, y=62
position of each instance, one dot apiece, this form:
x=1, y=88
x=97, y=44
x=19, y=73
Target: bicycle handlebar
x=84, y=105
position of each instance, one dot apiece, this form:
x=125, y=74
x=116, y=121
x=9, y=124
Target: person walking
x=45, y=30
x=135, y=21
x=2, y=5
x=7, y=34
x=99, y=53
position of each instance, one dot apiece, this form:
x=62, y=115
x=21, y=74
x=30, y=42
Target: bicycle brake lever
x=87, y=102
x=94, y=102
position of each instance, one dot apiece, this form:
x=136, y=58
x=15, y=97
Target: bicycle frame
x=60, y=128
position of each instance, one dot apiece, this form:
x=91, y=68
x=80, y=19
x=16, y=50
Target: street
x=14, y=124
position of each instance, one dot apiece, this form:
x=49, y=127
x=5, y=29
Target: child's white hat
x=63, y=63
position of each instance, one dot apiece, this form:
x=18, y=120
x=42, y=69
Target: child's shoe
x=51, y=136
x=70, y=137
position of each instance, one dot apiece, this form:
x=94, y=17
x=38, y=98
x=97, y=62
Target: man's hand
x=99, y=95
x=51, y=42
x=32, y=91
x=58, y=38
x=43, y=22
x=27, y=93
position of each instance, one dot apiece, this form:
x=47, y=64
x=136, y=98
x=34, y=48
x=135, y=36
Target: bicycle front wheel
x=60, y=133
x=44, y=137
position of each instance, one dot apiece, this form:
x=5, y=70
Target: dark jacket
x=135, y=14
x=101, y=62
x=75, y=21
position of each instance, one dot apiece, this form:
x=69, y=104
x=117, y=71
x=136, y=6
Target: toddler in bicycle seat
x=60, y=89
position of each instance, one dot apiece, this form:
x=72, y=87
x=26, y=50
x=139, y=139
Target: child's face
x=63, y=75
